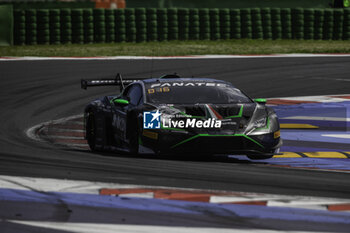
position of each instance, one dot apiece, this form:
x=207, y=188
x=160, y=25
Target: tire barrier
x=130, y=25
x=62, y=26
x=100, y=25
x=286, y=22
x=162, y=17
x=235, y=24
x=77, y=26
x=31, y=27
x=328, y=25
x=194, y=28
x=276, y=23
x=152, y=24
x=204, y=25
x=214, y=24
x=246, y=24
x=318, y=24
x=141, y=24
x=173, y=26
x=19, y=32
x=43, y=30
x=225, y=24
x=298, y=23
x=346, y=26
x=266, y=23
x=184, y=23
x=66, y=26
x=309, y=18
x=338, y=24
x=88, y=26
x=257, y=24
x=55, y=26
x=110, y=26
x=120, y=28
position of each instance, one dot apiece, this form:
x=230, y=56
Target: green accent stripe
x=260, y=100
x=239, y=114
x=251, y=139
x=140, y=141
x=217, y=135
x=184, y=141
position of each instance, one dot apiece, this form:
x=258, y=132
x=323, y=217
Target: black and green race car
x=172, y=115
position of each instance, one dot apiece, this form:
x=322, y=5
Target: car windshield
x=193, y=93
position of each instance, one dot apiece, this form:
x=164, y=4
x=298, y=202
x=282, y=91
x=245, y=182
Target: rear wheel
x=91, y=131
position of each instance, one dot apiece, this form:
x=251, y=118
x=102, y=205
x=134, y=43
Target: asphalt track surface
x=37, y=91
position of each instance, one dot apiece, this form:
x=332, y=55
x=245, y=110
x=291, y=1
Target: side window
x=135, y=94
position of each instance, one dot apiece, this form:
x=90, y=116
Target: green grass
x=180, y=48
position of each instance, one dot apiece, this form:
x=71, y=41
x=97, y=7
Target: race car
x=173, y=115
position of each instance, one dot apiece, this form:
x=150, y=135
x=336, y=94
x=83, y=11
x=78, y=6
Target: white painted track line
x=112, y=228
x=171, y=57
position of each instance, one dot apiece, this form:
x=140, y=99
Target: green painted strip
x=184, y=141
x=217, y=135
x=239, y=114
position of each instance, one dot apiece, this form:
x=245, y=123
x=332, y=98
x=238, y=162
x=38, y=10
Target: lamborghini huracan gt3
x=169, y=115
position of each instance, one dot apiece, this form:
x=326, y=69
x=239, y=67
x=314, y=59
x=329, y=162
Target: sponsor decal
x=151, y=120
x=277, y=134
x=160, y=89
x=191, y=123
x=188, y=84
x=150, y=134
x=154, y=120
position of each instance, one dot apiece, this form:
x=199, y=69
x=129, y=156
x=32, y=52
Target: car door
x=133, y=94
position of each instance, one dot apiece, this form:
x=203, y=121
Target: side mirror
x=120, y=101
x=260, y=101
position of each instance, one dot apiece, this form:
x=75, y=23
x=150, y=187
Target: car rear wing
x=118, y=81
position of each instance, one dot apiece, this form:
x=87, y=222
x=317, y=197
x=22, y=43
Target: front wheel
x=91, y=131
x=134, y=142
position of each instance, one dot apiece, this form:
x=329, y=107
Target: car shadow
x=173, y=157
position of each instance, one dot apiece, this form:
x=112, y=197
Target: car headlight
x=260, y=126
x=264, y=125
x=260, y=123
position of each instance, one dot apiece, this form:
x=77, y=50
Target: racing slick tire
x=134, y=142
x=134, y=134
x=91, y=131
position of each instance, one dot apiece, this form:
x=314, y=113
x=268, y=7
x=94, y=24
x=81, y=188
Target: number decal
x=158, y=90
